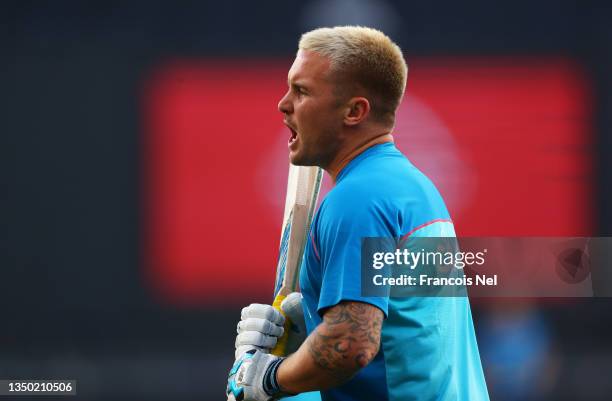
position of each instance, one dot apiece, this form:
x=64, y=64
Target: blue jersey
x=428, y=346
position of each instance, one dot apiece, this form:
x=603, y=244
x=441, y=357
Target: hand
x=253, y=378
x=259, y=328
x=292, y=308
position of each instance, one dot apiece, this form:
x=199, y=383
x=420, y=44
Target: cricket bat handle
x=281, y=345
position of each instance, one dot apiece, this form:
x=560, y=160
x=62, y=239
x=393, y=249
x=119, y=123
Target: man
x=344, y=88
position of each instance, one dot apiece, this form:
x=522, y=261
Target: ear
x=358, y=108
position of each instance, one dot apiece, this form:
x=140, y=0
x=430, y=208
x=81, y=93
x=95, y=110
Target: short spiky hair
x=362, y=59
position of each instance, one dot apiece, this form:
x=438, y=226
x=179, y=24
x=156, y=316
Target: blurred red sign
x=507, y=141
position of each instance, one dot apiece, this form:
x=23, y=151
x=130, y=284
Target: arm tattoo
x=347, y=339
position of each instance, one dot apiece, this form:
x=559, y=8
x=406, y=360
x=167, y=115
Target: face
x=311, y=111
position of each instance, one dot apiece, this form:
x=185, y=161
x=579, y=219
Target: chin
x=300, y=160
x=296, y=161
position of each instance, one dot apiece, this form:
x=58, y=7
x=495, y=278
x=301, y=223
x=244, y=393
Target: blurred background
x=144, y=170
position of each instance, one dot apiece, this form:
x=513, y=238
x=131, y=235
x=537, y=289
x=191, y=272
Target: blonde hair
x=362, y=59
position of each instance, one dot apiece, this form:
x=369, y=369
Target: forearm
x=346, y=341
x=302, y=371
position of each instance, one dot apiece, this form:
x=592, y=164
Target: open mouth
x=294, y=136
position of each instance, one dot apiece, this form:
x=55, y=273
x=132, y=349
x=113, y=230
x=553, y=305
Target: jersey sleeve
x=339, y=241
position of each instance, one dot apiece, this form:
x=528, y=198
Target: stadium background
x=144, y=170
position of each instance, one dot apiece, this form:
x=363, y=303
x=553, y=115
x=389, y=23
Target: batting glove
x=253, y=378
x=259, y=328
x=292, y=308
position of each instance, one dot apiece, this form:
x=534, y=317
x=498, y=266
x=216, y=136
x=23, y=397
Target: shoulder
x=386, y=187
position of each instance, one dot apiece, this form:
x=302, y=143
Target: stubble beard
x=319, y=154
x=301, y=159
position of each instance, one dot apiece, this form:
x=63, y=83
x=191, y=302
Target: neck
x=343, y=158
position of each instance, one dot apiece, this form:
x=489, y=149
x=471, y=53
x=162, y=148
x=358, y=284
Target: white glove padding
x=253, y=377
x=260, y=327
x=292, y=308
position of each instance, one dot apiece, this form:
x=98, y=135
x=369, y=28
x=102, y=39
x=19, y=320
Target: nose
x=284, y=105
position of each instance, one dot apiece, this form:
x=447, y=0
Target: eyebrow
x=297, y=83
